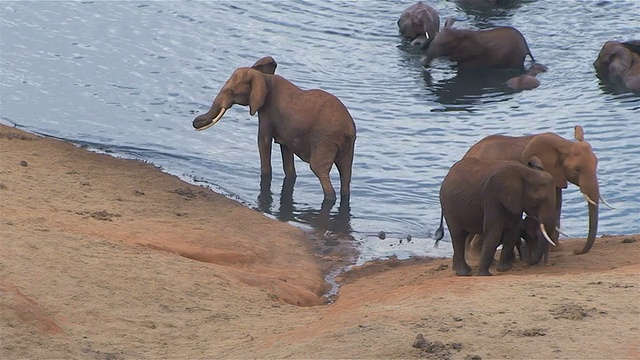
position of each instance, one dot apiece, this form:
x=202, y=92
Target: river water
x=128, y=77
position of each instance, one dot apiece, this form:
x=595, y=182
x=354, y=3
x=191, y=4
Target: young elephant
x=619, y=63
x=419, y=23
x=527, y=81
x=312, y=124
x=489, y=197
x=500, y=47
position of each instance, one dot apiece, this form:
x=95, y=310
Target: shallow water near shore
x=129, y=77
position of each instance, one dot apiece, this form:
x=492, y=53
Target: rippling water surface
x=129, y=77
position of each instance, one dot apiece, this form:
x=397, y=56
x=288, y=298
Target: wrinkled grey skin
x=619, y=63
x=499, y=47
x=527, y=81
x=489, y=198
x=419, y=23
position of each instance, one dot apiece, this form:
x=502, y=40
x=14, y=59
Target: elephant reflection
x=469, y=88
x=320, y=220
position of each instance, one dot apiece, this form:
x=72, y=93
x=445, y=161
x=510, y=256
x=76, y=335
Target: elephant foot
x=502, y=267
x=462, y=270
x=484, y=273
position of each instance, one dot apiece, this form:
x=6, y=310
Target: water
x=129, y=77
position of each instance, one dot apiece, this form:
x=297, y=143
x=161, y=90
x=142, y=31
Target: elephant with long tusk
x=489, y=198
x=311, y=124
x=566, y=160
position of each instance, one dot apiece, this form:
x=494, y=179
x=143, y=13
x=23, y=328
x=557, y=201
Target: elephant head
x=420, y=23
x=620, y=63
x=246, y=86
x=573, y=162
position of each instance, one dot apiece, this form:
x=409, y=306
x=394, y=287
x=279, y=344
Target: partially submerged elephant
x=489, y=197
x=499, y=47
x=527, y=81
x=565, y=160
x=312, y=124
x=419, y=23
x=619, y=63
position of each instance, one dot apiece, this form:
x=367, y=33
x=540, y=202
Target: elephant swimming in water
x=619, y=63
x=527, y=81
x=499, y=47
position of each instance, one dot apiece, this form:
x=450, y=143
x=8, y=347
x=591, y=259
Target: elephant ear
x=506, y=185
x=535, y=163
x=449, y=22
x=266, y=65
x=578, y=133
x=258, y=91
x=547, y=148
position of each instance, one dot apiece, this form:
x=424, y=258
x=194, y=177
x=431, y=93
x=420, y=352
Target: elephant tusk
x=214, y=121
x=589, y=199
x=606, y=203
x=546, y=236
x=561, y=233
x=426, y=34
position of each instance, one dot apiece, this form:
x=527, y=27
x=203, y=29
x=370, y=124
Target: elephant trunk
x=537, y=252
x=593, y=229
x=591, y=192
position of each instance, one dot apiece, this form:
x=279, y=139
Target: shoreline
x=97, y=261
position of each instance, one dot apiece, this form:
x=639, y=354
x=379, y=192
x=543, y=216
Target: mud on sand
x=108, y=258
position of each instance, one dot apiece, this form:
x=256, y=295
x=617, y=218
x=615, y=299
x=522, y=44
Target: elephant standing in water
x=489, y=197
x=619, y=63
x=565, y=160
x=312, y=124
x=419, y=23
x=500, y=47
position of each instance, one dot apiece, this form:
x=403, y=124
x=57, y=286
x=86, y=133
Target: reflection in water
x=471, y=87
x=486, y=11
x=322, y=220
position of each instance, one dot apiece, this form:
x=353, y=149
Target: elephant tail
x=530, y=55
x=440, y=231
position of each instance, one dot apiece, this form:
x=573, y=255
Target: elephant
x=530, y=252
x=312, y=124
x=499, y=47
x=419, y=23
x=527, y=81
x=565, y=160
x=489, y=197
x=619, y=63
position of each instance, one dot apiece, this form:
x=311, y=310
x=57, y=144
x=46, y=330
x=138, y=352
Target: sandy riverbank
x=108, y=258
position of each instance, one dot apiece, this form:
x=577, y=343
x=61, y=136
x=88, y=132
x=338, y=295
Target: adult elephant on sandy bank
x=565, y=160
x=312, y=124
x=619, y=63
x=419, y=23
x=499, y=47
x=489, y=197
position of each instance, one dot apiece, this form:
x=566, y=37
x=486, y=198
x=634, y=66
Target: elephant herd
x=618, y=63
x=486, y=194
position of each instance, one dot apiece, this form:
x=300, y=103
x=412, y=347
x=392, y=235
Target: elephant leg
x=264, y=147
x=474, y=243
x=458, y=239
x=321, y=161
x=507, y=256
x=344, y=164
x=287, y=162
x=491, y=237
